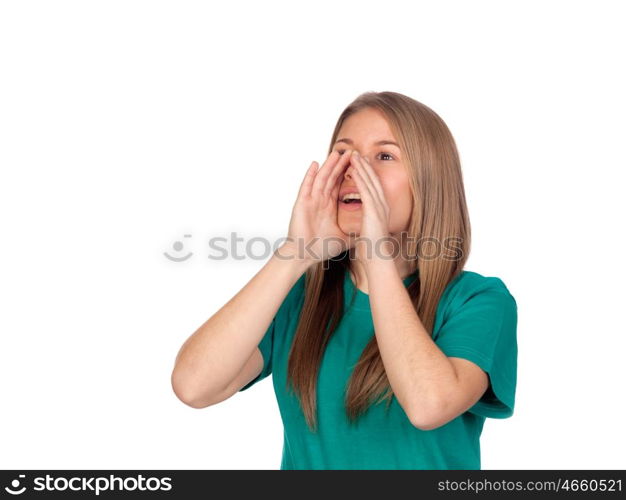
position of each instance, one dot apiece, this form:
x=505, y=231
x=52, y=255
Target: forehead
x=364, y=124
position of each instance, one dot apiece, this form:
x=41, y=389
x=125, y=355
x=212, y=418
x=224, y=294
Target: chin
x=348, y=227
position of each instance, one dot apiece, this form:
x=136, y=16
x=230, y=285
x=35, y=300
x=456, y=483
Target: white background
x=125, y=125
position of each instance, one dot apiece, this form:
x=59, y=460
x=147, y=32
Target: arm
x=214, y=357
x=431, y=387
x=220, y=357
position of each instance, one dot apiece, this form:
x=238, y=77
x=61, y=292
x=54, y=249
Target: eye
x=342, y=151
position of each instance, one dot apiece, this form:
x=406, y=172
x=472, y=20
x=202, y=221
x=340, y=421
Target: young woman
x=367, y=302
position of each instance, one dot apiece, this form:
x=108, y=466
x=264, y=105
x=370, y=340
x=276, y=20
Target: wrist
x=379, y=265
x=288, y=255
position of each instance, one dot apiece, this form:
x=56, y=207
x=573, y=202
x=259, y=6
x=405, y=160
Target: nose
x=348, y=172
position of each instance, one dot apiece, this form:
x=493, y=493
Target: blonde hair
x=439, y=214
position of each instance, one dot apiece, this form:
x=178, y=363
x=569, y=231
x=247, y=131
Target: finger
x=307, y=183
x=324, y=172
x=332, y=184
x=375, y=180
x=365, y=175
x=360, y=168
x=367, y=198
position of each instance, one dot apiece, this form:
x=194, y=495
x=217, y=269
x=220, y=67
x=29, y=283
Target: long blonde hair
x=439, y=215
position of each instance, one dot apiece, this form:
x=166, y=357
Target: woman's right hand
x=314, y=234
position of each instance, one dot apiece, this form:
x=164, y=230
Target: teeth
x=351, y=196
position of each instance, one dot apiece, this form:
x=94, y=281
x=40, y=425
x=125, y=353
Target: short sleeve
x=483, y=329
x=265, y=346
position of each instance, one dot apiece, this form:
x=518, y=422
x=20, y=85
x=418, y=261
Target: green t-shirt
x=476, y=319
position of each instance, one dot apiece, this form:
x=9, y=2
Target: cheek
x=397, y=191
x=399, y=198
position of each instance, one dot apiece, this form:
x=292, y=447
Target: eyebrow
x=378, y=143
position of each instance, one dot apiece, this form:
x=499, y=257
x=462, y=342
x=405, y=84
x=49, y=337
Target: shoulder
x=472, y=291
x=469, y=284
x=477, y=312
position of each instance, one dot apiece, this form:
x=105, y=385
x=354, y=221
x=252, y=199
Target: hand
x=313, y=234
x=375, y=213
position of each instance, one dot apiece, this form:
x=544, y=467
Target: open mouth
x=351, y=198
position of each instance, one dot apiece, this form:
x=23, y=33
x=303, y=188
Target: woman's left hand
x=375, y=214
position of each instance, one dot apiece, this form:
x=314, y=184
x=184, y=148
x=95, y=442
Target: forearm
x=219, y=348
x=418, y=371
